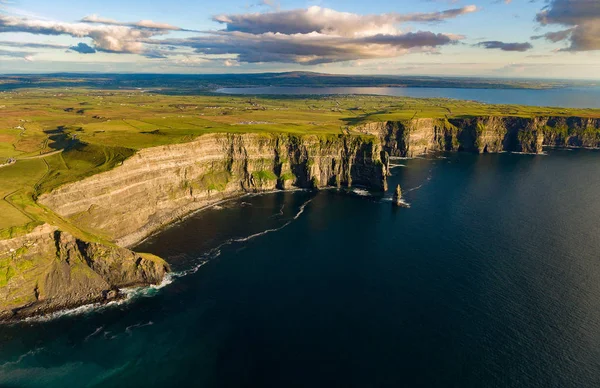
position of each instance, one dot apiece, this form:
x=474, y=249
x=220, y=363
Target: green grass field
x=96, y=130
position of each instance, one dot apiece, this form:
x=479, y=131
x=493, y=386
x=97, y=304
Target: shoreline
x=128, y=294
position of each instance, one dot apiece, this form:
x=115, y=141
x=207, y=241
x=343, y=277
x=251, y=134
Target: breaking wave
x=22, y=357
x=403, y=201
x=361, y=192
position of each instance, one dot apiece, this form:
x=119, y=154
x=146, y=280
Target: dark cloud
x=555, y=36
x=307, y=36
x=495, y=44
x=328, y=21
x=83, y=48
x=320, y=35
x=311, y=49
x=142, y=24
x=155, y=54
x=569, y=12
x=33, y=45
x=583, y=18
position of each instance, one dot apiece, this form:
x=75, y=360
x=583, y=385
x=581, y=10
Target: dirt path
x=42, y=155
x=32, y=157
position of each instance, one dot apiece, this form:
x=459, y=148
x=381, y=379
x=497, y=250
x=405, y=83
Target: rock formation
x=161, y=184
x=484, y=134
x=397, y=200
x=48, y=270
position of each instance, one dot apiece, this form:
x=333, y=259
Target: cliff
x=484, y=134
x=48, y=270
x=161, y=184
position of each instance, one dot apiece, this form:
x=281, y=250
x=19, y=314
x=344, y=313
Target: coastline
x=161, y=186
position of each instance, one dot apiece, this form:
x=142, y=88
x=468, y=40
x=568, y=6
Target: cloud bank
x=582, y=19
x=319, y=35
x=310, y=36
x=329, y=22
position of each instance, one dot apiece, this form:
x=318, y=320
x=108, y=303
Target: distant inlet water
x=572, y=97
x=490, y=279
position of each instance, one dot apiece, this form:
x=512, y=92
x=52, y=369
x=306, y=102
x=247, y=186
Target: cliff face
x=48, y=270
x=158, y=185
x=484, y=134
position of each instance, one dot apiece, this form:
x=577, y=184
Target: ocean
x=491, y=278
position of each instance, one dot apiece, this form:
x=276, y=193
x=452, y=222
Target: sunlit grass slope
x=60, y=136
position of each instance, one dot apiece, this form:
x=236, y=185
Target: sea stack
x=398, y=196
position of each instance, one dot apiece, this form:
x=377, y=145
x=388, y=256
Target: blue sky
x=497, y=38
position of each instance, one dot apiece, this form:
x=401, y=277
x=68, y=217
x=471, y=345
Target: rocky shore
x=49, y=270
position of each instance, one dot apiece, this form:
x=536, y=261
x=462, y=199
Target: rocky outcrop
x=161, y=184
x=48, y=270
x=484, y=134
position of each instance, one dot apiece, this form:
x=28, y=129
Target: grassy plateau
x=56, y=136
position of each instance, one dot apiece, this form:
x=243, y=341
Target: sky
x=488, y=38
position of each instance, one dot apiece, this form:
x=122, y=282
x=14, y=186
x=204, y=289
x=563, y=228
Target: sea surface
x=491, y=278
x=570, y=97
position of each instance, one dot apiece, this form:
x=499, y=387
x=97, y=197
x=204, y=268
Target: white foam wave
x=361, y=192
x=129, y=329
x=280, y=212
x=528, y=153
x=85, y=309
x=97, y=331
x=397, y=165
x=413, y=189
x=216, y=252
x=23, y=356
x=404, y=203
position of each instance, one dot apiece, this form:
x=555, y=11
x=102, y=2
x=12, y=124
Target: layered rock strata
x=484, y=134
x=161, y=184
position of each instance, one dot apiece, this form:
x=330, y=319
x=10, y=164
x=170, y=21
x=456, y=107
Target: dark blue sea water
x=572, y=97
x=490, y=279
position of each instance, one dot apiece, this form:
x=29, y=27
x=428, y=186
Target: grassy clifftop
x=60, y=136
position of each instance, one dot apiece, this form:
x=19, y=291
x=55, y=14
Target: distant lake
x=576, y=97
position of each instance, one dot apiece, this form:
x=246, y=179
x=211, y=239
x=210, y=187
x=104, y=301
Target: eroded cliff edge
x=48, y=270
x=484, y=134
x=161, y=184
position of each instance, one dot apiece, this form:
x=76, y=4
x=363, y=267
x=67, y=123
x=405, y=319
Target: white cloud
x=112, y=38
x=330, y=22
x=309, y=36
